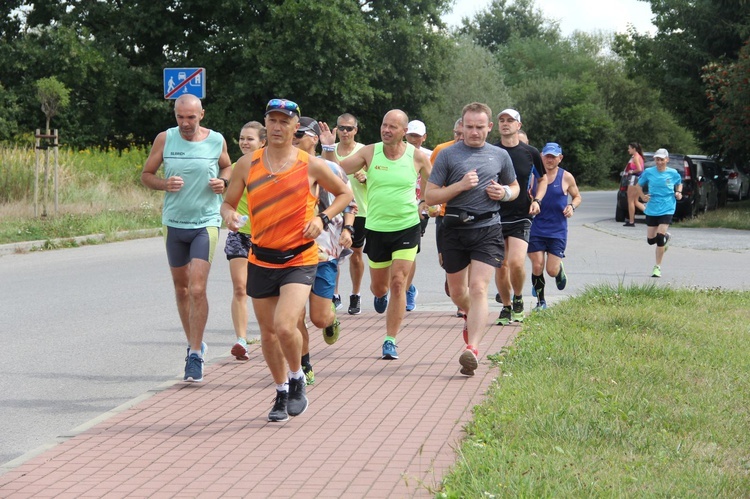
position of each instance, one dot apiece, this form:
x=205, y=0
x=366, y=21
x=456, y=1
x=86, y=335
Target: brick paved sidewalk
x=374, y=428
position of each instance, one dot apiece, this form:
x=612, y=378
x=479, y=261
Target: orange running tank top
x=280, y=206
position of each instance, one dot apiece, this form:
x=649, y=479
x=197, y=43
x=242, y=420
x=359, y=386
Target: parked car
x=687, y=207
x=711, y=183
x=738, y=182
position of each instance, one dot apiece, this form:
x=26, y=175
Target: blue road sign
x=181, y=81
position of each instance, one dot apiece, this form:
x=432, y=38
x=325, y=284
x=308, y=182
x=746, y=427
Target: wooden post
x=45, y=194
x=55, y=144
x=37, y=147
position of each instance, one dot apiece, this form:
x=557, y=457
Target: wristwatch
x=226, y=182
x=350, y=228
x=537, y=201
x=326, y=220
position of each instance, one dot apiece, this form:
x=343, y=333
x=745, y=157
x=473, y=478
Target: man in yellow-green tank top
x=393, y=224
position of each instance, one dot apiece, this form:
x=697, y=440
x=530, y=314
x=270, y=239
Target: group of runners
x=294, y=217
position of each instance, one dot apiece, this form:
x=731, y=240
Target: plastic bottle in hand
x=241, y=222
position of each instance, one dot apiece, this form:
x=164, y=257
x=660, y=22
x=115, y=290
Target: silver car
x=738, y=183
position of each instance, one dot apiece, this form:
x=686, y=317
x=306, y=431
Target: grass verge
x=735, y=215
x=620, y=392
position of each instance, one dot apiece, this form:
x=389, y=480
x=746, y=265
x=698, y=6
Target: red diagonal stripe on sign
x=184, y=82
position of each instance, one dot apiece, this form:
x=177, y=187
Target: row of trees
x=684, y=88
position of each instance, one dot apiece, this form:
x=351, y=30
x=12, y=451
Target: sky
x=582, y=15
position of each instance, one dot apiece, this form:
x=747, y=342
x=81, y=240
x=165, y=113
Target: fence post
x=55, y=144
x=37, y=147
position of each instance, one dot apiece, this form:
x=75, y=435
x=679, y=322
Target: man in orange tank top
x=278, y=181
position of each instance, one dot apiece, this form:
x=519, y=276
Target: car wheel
x=619, y=214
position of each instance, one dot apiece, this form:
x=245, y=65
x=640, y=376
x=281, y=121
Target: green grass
x=735, y=215
x=99, y=192
x=620, y=392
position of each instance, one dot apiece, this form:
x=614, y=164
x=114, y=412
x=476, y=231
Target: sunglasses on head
x=301, y=133
x=344, y=128
x=284, y=104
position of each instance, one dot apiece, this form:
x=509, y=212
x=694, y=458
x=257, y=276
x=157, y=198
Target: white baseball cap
x=661, y=153
x=416, y=127
x=510, y=112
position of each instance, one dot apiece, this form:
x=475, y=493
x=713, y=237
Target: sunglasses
x=301, y=133
x=283, y=105
x=345, y=128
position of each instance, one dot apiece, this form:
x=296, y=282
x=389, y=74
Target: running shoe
x=193, y=368
x=504, y=318
x=355, y=304
x=381, y=303
x=389, y=350
x=278, y=413
x=561, y=279
x=411, y=298
x=667, y=237
x=309, y=374
x=628, y=224
x=239, y=350
x=297, y=403
x=331, y=333
x=656, y=272
x=517, y=312
x=468, y=361
x=336, y=301
x=542, y=305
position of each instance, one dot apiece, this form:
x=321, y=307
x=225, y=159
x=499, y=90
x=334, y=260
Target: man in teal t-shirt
x=393, y=223
x=196, y=174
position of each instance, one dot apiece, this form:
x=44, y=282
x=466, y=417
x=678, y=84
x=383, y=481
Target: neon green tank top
x=391, y=204
x=359, y=189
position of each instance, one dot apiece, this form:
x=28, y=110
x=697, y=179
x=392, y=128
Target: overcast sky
x=582, y=15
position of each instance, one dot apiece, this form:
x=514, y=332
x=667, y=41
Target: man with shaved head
x=393, y=223
x=196, y=174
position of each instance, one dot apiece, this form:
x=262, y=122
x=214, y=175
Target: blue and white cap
x=552, y=148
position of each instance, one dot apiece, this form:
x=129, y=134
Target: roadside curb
x=47, y=244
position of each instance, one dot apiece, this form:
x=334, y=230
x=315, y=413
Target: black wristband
x=325, y=219
x=350, y=228
x=226, y=182
x=537, y=201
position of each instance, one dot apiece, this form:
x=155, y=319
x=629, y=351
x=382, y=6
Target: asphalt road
x=86, y=330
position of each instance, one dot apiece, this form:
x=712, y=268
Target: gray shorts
x=185, y=244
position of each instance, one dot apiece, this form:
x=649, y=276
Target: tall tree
x=474, y=74
x=343, y=55
x=494, y=26
x=690, y=34
x=728, y=93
